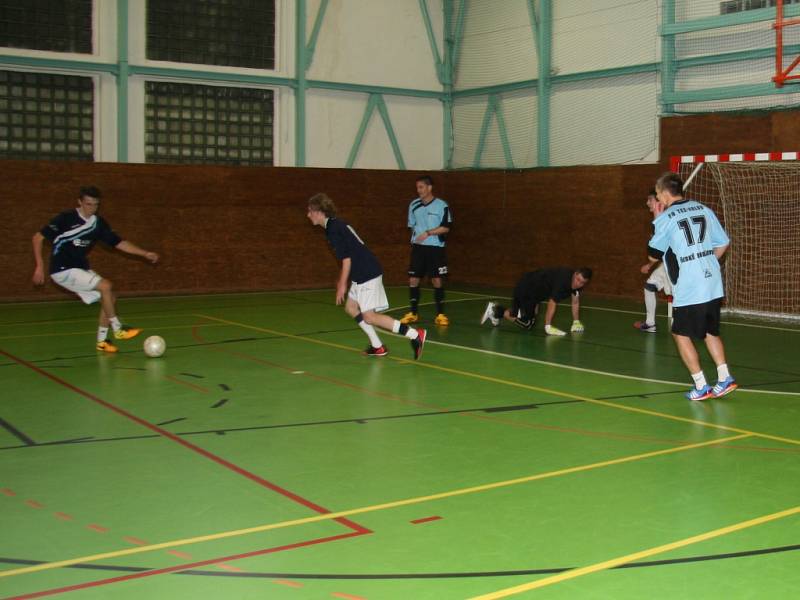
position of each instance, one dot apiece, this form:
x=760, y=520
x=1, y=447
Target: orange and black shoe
x=127, y=333
x=106, y=346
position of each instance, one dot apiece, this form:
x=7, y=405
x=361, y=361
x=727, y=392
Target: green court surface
x=264, y=457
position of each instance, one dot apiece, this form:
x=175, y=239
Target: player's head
x=669, y=188
x=320, y=208
x=89, y=200
x=424, y=186
x=581, y=277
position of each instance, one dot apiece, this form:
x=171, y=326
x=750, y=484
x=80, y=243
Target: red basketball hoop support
x=782, y=75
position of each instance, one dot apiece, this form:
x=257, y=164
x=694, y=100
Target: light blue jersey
x=424, y=217
x=685, y=236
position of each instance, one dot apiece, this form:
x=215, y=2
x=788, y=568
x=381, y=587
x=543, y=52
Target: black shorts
x=697, y=320
x=428, y=261
x=523, y=305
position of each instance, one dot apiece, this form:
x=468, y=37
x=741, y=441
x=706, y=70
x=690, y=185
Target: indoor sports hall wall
x=225, y=229
x=244, y=228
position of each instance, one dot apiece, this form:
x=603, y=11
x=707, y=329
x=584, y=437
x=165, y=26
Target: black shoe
x=418, y=342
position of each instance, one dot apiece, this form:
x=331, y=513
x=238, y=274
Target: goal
x=757, y=198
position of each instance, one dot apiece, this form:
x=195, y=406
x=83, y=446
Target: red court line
x=186, y=444
x=425, y=520
x=183, y=567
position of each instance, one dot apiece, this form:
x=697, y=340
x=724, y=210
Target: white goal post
x=757, y=198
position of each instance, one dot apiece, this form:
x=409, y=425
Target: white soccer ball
x=154, y=346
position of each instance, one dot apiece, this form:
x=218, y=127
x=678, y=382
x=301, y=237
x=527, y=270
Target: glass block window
x=62, y=26
x=233, y=33
x=187, y=123
x=45, y=116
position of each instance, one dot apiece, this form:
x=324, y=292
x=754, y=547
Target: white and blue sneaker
x=700, y=394
x=724, y=387
x=644, y=326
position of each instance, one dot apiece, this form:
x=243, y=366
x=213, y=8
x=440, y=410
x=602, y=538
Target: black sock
x=413, y=299
x=438, y=296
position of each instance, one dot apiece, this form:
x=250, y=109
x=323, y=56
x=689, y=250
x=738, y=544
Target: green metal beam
x=373, y=89
x=371, y=103
x=728, y=93
x=544, y=87
x=716, y=22
x=57, y=63
x=729, y=57
x=300, y=62
x=458, y=36
x=312, y=42
x=491, y=106
x=426, y=18
x=375, y=101
x=122, y=81
x=668, y=68
x=387, y=123
x=501, y=129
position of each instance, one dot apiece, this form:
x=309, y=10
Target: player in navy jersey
x=551, y=285
x=429, y=219
x=72, y=234
x=362, y=272
x=690, y=240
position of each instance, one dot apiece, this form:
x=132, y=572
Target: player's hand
x=550, y=330
x=658, y=208
x=645, y=269
x=340, y=292
x=577, y=327
x=38, y=276
x=151, y=256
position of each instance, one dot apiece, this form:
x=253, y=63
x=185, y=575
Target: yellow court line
x=362, y=510
x=58, y=334
x=629, y=558
x=524, y=386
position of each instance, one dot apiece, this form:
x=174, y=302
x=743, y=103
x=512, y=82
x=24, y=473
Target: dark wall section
x=232, y=229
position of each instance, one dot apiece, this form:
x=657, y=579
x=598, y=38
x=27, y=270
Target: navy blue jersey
x=72, y=237
x=546, y=284
x=346, y=244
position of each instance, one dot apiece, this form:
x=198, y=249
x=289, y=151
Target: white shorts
x=81, y=282
x=660, y=279
x=369, y=295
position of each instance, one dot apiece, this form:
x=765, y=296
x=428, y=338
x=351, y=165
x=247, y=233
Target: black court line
x=390, y=576
x=220, y=403
x=28, y=441
x=356, y=420
x=750, y=386
x=171, y=421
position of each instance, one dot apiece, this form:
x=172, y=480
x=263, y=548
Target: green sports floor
x=264, y=457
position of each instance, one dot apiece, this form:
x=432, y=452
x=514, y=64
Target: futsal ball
x=154, y=346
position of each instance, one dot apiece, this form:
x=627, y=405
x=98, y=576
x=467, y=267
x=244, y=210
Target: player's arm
x=38, y=271
x=131, y=248
x=344, y=279
x=550, y=312
x=720, y=250
x=576, y=307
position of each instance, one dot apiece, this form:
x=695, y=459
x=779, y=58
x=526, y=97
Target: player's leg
x=352, y=308
x=438, y=266
x=690, y=323
x=108, y=314
x=725, y=382
x=373, y=301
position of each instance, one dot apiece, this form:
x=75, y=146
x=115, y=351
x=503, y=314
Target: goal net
x=757, y=199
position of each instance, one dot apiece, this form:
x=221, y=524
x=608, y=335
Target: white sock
x=722, y=372
x=412, y=334
x=102, y=334
x=650, y=307
x=115, y=323
x=371, y=334
x=699, y=380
